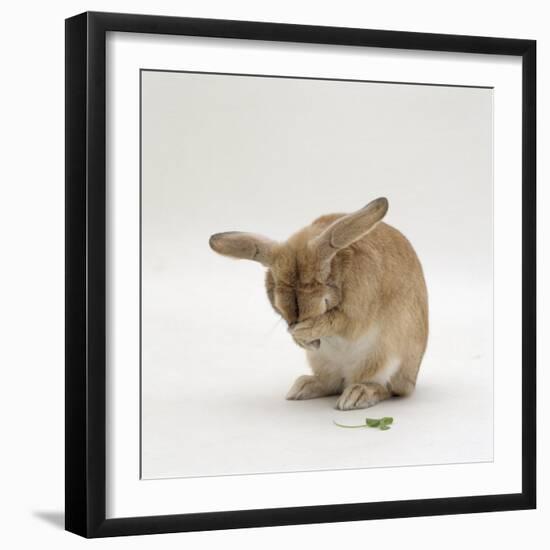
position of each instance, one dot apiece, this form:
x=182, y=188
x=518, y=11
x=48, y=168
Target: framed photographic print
x=300, y=274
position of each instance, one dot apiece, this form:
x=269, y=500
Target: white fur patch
x=338, y=349
x=345, y=356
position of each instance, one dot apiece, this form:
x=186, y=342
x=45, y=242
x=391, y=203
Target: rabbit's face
x=296, y=291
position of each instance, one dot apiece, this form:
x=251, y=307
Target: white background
x=216, y=363
x=31, y=220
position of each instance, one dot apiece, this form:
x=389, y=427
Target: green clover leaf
x=381, y=423
x=373, y=422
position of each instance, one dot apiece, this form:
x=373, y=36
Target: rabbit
x=352, y=292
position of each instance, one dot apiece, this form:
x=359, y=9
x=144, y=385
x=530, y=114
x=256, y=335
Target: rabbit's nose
x=291, y=326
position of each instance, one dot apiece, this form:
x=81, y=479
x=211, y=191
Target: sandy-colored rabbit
x=352, y=291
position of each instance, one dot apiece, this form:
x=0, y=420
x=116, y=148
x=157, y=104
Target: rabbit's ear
x=350, y=228
x=245, y=246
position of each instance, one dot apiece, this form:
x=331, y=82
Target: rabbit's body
x=353, y=294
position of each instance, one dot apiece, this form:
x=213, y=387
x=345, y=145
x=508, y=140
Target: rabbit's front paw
x=306, y=387
x=358, y=396
x=306, y=334
x=313, y=345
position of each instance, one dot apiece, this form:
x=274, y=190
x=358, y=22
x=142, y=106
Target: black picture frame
x=85, y=491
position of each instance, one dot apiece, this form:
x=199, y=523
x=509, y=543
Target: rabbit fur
x=352, y=292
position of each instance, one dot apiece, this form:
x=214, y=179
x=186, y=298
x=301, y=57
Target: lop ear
x=245, y=246
x=350, y=228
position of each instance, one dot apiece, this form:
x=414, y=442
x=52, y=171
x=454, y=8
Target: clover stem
x=347, y=426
